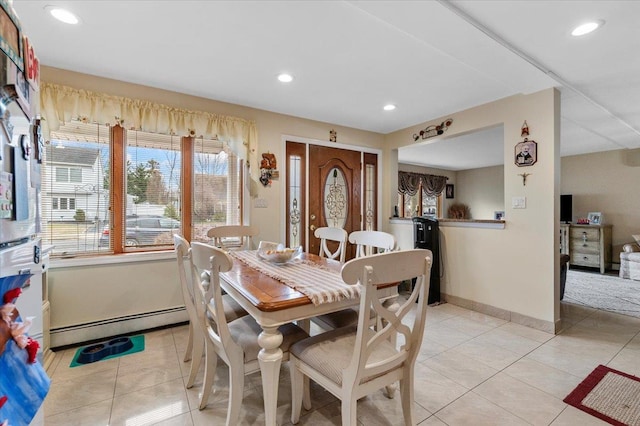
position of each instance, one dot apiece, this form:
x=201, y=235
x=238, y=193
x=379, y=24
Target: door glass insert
x=370, y=197
x=295, y=188
x=335, y=199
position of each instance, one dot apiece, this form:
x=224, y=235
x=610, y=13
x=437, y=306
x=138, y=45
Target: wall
x=485, y=265
x=606, y=182
x=102, y=297
x=482, y=190
x=271, y=128
x=95, y=292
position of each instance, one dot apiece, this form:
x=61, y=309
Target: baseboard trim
x=70, y=335
x=538, y=324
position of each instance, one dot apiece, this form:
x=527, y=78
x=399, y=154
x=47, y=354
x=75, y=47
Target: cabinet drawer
x=592, y=234
x=583, y=259
x=588, y=247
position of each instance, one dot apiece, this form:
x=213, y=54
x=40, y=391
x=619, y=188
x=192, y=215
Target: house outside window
x=63, y=203
x=67, y=174
x=79, y=200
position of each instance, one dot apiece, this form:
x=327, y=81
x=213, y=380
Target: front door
x=335, y=191
x=332, y=180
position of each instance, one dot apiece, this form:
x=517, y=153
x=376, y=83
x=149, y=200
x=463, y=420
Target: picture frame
x=498, y=215
x=11, y=35
x=449, y=191
x=595, y=218
x=525, y=153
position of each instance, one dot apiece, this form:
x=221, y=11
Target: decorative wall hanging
x=433, y=130
x=525, y=129
x=526, y=153
x=449, y=191
x=268, y=167
x=333, y=136
x=524, y=178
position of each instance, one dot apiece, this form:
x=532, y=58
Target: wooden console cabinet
x=588, y=245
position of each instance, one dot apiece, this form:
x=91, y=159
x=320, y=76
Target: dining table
x=270, y=294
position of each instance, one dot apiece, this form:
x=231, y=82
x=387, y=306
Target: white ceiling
x=349, y=58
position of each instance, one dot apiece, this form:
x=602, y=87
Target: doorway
x=341, y=188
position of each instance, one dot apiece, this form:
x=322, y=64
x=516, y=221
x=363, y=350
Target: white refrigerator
x=23, y=381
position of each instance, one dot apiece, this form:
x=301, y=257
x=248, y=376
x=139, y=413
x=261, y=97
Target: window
x=63, y=203
x=108, y=190
x=217, y=187
x=419, y=204
x=66, y=174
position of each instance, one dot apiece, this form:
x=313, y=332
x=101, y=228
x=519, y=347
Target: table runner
x=318, y=283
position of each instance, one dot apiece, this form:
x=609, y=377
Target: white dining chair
x=235, y=342
x=372, y=242
x=352, y=362
x=195, y=341
x=233, y=237
x=329, y=235
x=338, y=237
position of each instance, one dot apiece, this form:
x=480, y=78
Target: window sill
x=457, y=223
x=111, y=259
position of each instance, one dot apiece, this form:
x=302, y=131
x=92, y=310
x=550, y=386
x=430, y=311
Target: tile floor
x=473, y=370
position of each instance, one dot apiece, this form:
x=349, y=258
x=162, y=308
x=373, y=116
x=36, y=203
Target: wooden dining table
x=272, y=303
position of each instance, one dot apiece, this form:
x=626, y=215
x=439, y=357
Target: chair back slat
x=208, y=261
x=183, y=258
x=337, y=235
x=233, y=237
x=374, y=270
x=372, y=242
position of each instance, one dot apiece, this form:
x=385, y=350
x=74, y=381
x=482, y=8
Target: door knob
x=312, y=217
x=312, y=227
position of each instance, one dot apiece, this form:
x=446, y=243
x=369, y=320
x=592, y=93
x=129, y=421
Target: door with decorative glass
x=335, y=192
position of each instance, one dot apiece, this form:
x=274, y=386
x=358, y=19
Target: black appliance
x=566, y=208
x=426, y=235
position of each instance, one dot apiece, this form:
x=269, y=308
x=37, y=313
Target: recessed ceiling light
x=586, y=28
x=285, y=78
x=389, y=107
x=62, y=15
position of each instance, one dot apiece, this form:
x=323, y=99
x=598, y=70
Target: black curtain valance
x=409, y=183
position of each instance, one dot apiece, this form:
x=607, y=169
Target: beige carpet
x=604, y=292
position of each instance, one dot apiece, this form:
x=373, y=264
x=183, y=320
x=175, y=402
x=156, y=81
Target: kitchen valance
x=61, y=104
x=409, y=183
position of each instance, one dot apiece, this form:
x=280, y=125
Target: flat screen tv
x=566, y=208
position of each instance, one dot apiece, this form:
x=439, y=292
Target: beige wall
x=93, y=293
x=606, y=182
x=485, y=265
x=271, y=128
x=482, y=190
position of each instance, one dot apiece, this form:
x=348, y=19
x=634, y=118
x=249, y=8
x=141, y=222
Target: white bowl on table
x=277, y=253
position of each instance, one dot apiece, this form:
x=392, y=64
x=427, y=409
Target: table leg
x=270, y=358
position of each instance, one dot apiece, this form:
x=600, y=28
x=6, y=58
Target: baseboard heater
x=74, y=334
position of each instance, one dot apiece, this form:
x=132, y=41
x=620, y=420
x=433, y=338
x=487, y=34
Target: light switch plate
x=260, y=203
x=519, y=202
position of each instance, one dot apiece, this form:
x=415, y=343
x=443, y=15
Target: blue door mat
x=108, y=349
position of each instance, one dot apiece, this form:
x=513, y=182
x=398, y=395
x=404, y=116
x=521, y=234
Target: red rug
x=610, y=395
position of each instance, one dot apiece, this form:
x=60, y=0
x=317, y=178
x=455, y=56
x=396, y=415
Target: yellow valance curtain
x=61, y=104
